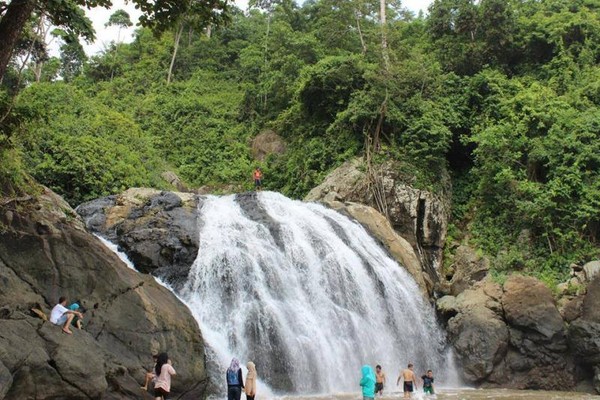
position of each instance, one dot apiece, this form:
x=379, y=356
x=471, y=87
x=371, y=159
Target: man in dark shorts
x=257, y=179
x=410, y=380
x=379, y=380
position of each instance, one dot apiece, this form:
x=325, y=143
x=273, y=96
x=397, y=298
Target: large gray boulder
x=158, y=230
x=476, y=330
x=481, y=340
x=46, y=252
x=529, y=306
x=510, y=335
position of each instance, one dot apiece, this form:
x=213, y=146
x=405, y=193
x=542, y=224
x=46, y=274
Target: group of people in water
x=373, y=383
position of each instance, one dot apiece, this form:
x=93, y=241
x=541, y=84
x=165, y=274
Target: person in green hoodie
x=368, y=382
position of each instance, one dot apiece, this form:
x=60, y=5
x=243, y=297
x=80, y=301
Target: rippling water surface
x=461, y=394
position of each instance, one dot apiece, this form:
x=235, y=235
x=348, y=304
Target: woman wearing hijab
x=163, y=370
x=368, y=382
x=235, y=383
x=250, y=381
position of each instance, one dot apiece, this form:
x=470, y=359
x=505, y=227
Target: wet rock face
x=584, y=333
x=419, y=216
x=45, y=252
x=158, y=230
x=511, y=335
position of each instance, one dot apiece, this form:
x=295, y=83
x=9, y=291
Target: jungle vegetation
x=502, y=95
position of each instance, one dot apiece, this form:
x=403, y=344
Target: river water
x=459, y=394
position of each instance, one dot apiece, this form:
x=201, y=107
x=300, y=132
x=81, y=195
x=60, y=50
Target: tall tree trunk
x=266, y=57
x=177, y=39
x=384, y=46
x=43, y=28
x=360, y=34
x=11, y=25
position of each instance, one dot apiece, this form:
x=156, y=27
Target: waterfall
x=307, y=294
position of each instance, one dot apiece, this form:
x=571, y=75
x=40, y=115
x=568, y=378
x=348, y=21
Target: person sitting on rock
x=76, y=320
x=61, y=315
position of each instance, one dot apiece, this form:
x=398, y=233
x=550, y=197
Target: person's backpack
x=232, y=378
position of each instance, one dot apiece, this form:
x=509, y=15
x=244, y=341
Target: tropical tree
x=69, y=15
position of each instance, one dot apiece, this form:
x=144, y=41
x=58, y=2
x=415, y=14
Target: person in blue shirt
x=368, y=382
x=428, y=382
x=76, y=320
x=235, y=383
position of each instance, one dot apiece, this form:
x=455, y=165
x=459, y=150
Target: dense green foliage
x=505, y=95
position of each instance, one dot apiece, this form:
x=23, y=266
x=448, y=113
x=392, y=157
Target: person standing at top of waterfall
x=163, y=370
x=410, y=380
x=380, y=380
x=367, y=382
x=250, y=388
x=235, y=383
x=257, y=178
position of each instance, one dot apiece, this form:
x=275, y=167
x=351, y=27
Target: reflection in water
x=460, y=394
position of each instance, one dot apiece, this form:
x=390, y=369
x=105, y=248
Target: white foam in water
x=309, y=296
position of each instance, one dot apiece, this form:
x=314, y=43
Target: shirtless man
x=380, y=380
x=410, y=380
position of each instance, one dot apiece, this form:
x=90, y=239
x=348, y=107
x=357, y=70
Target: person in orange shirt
x=257, y=179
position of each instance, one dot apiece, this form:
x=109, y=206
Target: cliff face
x=419, y=216
x=46, y=252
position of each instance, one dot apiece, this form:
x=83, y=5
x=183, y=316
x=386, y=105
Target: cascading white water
x=305, y=293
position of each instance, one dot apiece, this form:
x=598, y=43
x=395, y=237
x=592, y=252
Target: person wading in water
x=410, y=380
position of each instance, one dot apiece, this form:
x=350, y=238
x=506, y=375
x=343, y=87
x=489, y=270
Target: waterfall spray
x=306, y=293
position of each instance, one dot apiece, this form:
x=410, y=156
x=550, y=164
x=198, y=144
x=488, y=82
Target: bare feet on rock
x=67, y=331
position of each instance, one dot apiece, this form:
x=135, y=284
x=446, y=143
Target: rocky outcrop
x=467, y=268
x=419, y=216
x=174, y=180
x=511, y=335
x=398, y=247
x=46, y=252
x=267, y=143
x=584, y=333
x=158, y=230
